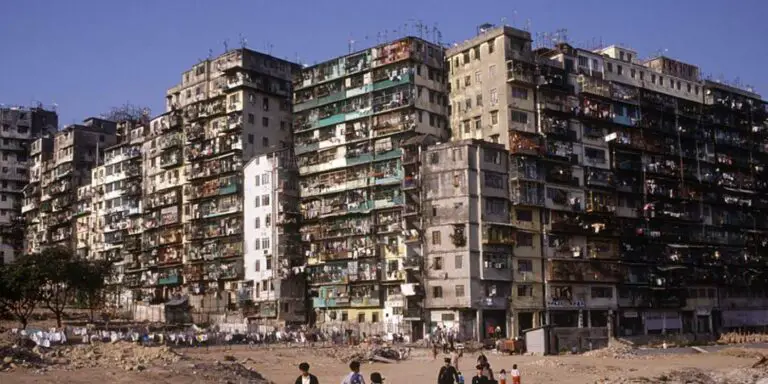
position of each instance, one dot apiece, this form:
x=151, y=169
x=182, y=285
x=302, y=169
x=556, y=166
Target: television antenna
x=243, y=41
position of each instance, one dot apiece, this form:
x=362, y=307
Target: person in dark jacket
x=479, y=378
x=448, y=373
x=376, y=378
x=306, y=377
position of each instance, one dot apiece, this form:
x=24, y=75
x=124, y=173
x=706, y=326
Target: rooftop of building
x=355, y=53
x=485, y=32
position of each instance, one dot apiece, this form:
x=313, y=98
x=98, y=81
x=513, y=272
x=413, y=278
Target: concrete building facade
x=352, y=114
x=274, y=265
x=19, y=127
x=469, y=236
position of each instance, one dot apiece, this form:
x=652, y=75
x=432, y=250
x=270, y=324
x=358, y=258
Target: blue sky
x=89, y=55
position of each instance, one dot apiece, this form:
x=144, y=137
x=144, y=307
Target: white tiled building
x=274, y=277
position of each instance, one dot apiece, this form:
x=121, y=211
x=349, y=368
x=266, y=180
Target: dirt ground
x=278, y=365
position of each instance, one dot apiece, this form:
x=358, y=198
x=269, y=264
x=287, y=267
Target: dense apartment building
x=636, y=186
x=19, y=127
x=231, y=108
x=468, y=235
x=274, y=264
x=61, y=164
x=352, y=114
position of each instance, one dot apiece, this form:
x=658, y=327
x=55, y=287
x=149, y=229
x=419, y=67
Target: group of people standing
x=450, y=374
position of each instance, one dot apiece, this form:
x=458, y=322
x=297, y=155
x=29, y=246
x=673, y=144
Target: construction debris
x=742, y=338
x=615, y=350
x=371, y=352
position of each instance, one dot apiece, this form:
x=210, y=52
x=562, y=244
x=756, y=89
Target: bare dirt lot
x=128, y=363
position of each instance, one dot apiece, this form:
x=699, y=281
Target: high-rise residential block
x=19, y=127
x=352, y=114
x=62, y=163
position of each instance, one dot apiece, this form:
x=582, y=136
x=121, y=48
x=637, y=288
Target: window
x=458, y=262
x=234, y=99
x=459, y=291
x=492, y=71
x=524, y=291
x=602, y=292
x=250, y=139
x=456, y=154
x=435, y=237
x=494, y=117
x=265, y=200
x=251, y=118
x=265, y=245
x=468, y=103
x=621, y=55
x=257, y=202
x=265, y=179
x=494, y=96
x=594, y=155
x=265, y=142
x=437, y=292
x=283, y=125
x=477, y=77
x=265, y=121
x=438, y=264
x=661, y=80
x=268, y=220
x=494, y=180
x=524, y=239
x=519, y=117
x=361, y=317
x=641, y=75
x=696, y=89
x=465, y=126
x=632, y=73
x=374, y=315
x=467, y=81
x=344, y=316
x=609, y=66
x=258, y=181
x=257, y=266
x=477, y=52
x=479, y=100
x=688, y=87
x=491, y=45
x=257, y=245
x=495, y=206
x=524, y=215
x=525, y=266
x=619, y=69
x=519, y=93
x=265, y=104
x=257, y=223
x=629, y=57
x=583, y=61
x=478, y=123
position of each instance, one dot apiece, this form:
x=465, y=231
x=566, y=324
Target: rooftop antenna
x=351, y=44
x=528, y=25
x=514, y=18
x=226, y=45
x=210, y=53
x=378, y=37
x=503, y=21
x=243, y=41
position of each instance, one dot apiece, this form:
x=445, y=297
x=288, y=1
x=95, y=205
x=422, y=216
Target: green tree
x=91, y=284
x=61, y=273
x=20, y=288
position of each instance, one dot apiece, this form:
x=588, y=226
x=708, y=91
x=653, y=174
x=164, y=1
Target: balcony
x=163, y=238
x=583, y=271
x=596, y=110
x=498, y=234
x=214, y=147
x=194, y=132
x=520, y=73
x=218, y=207
x=215, y=249
x=170, y=141
x=525, y=144
x=214, y=167
x=223, y=271
x=219, y=187
x=595, y=86
x=167, y=216
x=556, y=127
x=170, y=159
x=528, y=194
x=162, y=199
x=215, y=228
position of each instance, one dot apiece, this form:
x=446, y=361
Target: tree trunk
x=58, y=318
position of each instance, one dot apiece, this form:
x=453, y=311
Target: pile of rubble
x=227, y=372
x=742, y=338
x=615, y=351
x=370, y=352
x=12, y=357
x=129, y=356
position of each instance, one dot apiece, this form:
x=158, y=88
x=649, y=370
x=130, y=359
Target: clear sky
x=89, y=55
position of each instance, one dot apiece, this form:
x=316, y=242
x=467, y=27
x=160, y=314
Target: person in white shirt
x=354, y=377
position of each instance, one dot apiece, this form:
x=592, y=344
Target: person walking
x=515, y=374
x=448, y=373
x=354, y=377
x=306, y=377
x=455, y=358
